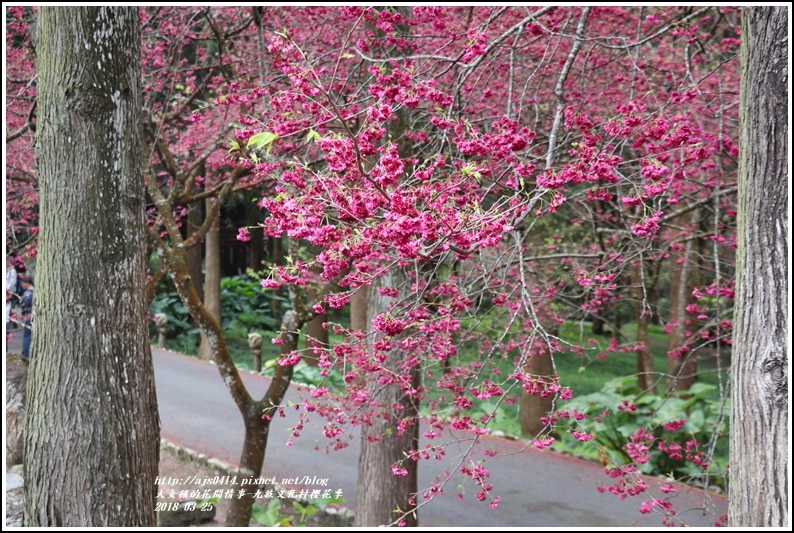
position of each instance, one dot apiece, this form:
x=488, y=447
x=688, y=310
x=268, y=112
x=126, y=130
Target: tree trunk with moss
x=92, y=432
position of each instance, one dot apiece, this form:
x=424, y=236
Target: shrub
x=667, y=435
x=245, y=307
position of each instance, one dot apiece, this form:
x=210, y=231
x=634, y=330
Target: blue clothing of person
x=27, y=309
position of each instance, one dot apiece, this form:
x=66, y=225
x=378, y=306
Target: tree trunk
x=92, y=433
x=684, y=277
x=759, y=452
x=598, y=325
x=646, y=379
x=539, y=363
x=358, y=310
x=257, y=428
x=212, y=284
x=194, y=255
x=252, y=459
x=533, y=406
x=278, y=259
x=316, y=335
x=253, y=454
x=256, y=246
x=379, y=493
x=381, y=496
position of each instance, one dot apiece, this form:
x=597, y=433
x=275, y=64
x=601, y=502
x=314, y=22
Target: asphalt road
x=537, y=488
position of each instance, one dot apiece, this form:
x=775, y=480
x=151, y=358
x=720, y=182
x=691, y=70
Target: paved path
x=537, y=488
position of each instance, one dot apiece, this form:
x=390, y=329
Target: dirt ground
x=175, y=468
x=186, y=475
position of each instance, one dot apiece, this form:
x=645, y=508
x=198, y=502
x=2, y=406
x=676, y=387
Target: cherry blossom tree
x=190, y=114
x=21, y=180
x=507, y=127
x=480, y=175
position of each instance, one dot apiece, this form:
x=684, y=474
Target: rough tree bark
x=758, y=494
x=379, y=493
x=92, y=433
x=381, y=497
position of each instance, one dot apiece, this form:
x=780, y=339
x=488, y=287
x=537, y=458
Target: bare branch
x=28, y=125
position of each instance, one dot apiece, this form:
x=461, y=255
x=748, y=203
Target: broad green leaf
x=259, y=140
x=313, y=136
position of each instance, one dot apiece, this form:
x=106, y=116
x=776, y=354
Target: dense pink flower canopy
x=528, y=164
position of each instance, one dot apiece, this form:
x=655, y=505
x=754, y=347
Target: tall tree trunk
x=358, y=310
x=534, y=406
x=212, y=283
x=195, y=257
x=92, y=433
x=379, y=493
x=381, y=496
x=646, y=379
x=684, y=276
x=759, y=452
x=256, y=246
x=278, y=259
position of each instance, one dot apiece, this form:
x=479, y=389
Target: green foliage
x=276, y=516
x=245, y=307
x=306, y=510
x=167, y=301
x=270, y=517
x=265, y=138
x=244, y=301
x=303, y=374
x=697, y=406
x=503, y=417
